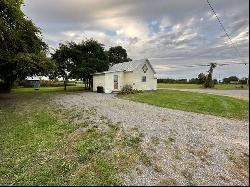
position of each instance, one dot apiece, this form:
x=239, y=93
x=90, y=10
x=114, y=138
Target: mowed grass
x=48, y=89
x=179, y=86
x=198, y=86
x=28, y=142
x=42, y=145
x=194, y=102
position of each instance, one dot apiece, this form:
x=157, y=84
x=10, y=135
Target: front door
x=116, y=82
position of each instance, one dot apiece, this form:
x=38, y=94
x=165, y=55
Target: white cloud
x=173, y=32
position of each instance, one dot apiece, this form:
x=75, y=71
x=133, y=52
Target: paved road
x=243, y=94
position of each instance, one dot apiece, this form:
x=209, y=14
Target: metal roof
x=130, y=66
x=34, y=78
x=105, y=72
x=126, y=67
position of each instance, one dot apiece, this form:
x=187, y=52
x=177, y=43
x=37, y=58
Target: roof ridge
x=129, y=62
x=130, y=66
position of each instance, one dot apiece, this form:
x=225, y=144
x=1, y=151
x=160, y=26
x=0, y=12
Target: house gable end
x=145, y=67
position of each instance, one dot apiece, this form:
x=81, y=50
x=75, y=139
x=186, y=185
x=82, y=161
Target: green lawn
x=196, y=86
x=194, y=102
x=41, y=144
x=180, y=86
x=48, y=89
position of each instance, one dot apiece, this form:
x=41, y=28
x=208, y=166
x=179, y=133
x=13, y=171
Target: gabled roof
x=34, y=78
x=130, y=66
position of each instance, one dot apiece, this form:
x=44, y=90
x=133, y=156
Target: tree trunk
x=91, y=82
x=65, y=83
x=87, y=83
x=65, y=87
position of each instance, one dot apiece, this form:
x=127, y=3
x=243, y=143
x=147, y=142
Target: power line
x=224, y=29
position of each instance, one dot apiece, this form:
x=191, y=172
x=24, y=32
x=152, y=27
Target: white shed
x=138, y=73
x=33, y=81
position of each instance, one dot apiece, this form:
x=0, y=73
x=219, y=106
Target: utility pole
x=247, y=76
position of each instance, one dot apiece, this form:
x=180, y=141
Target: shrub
x=128, y=89
x=51, y=83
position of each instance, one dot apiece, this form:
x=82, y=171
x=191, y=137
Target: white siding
x=98, y=80
x=151, y=82
x=109, y=81
x=131, y=78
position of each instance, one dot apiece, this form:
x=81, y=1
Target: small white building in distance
x=138, y=73
x=33, y=81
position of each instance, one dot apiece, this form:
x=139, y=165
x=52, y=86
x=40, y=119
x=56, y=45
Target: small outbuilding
x=138, y=73
x=33, y=81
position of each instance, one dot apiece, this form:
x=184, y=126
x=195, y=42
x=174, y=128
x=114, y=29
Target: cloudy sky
x=173, y=34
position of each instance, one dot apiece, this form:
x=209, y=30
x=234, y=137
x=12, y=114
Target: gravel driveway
x=242, y=94
x=188, y=148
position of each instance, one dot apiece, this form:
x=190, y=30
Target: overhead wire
x=224, y=29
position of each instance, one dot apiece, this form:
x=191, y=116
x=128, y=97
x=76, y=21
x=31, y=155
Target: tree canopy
x=201, y=78
x=22, y=51
x=79, y=61
x=227, y=80
x=117, y=55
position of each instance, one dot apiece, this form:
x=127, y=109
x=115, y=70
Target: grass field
x=41, y=144
x=48, y=89
x=196, y=86
x=194, y=102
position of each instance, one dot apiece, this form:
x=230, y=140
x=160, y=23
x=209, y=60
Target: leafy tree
x=209, y=83
x=193, y=81
x=201, y=78
x=117, y=55
x=80, y=61
x=62, y=58
x=244, y=80
x=229, y=79
x=90, y=58
x=22, y=51
x=215, y=81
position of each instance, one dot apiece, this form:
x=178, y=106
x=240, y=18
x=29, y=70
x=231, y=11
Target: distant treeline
x=200, y=80
x=173, y=81
x=183, y=81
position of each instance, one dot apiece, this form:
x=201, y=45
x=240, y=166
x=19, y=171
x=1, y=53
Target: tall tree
x=117, y=55
x=209, y=83
x=81, y=60
x=62, y=58
x=89, y=57
x=22, y=51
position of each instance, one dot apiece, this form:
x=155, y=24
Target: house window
x=144, y=78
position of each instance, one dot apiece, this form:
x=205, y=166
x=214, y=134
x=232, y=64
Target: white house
x=138, y=73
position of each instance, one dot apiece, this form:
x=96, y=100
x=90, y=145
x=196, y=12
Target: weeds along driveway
x=184, y=148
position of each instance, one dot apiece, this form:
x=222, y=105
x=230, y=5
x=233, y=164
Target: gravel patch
x=191, y=149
